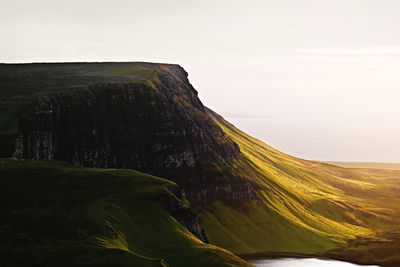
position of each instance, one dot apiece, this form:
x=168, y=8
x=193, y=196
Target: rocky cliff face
x=154, y=123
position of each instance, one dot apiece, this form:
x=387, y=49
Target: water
x=306, y=262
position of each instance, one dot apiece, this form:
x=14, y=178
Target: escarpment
x=246, y=196
x=121, y=115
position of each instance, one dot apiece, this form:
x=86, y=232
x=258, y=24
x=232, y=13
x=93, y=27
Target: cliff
x=139, y=116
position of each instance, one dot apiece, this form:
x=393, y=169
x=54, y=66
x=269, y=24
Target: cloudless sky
x=317, y=79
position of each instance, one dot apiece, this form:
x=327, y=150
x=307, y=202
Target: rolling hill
x=249, y=198
x=308, y=207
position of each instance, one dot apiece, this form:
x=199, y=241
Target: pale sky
x=316, y=79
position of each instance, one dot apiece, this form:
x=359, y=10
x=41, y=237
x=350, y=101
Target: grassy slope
x=366, y=165
x=54, y=214
x=308, y=207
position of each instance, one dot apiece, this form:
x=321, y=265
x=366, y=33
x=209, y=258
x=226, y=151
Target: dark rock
x=157, y=125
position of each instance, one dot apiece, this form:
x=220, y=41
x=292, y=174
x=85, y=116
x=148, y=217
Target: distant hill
x=368, y=165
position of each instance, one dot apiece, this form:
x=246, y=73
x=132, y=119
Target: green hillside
x=252, y=199
x=54, y=214
x=308, y=207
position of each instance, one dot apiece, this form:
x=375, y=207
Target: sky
x=316, y=79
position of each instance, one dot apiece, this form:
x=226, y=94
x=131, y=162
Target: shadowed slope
x=54, y=214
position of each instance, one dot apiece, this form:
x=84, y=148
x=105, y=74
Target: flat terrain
x=366, y=165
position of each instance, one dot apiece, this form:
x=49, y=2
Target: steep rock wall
x=155, y=125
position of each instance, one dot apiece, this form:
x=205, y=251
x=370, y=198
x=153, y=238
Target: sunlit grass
x=304, y=206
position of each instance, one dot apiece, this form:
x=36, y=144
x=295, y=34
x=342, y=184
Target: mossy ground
x=54, y=214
